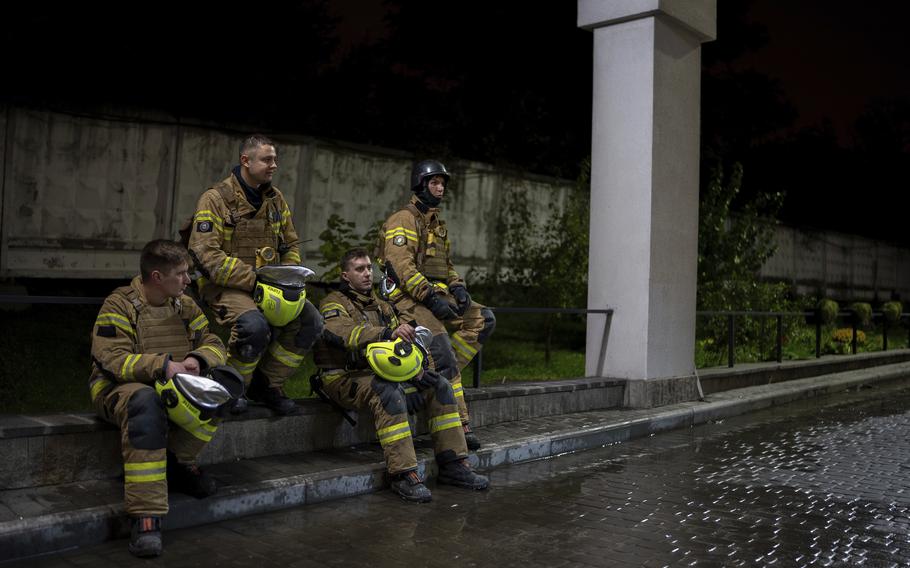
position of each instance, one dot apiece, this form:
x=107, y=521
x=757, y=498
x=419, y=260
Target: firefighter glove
x=441, y=309
x=462, y=298
x=428, y=380
x=413, y=397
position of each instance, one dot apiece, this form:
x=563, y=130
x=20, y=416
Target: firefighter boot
x=145, y=537
x=189, y=479
x=470, y=438
x=410, y=487
x=460, y=474
x=273, y=397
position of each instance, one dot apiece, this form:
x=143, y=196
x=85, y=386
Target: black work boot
x=273, y=397
x=145, y=537
x=460, y=474
x=189, y=479
x=470, y=437
x=411, y=488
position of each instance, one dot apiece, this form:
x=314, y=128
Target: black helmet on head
x=425, y=170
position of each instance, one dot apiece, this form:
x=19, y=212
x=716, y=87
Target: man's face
x=359, y=274
x=261, y=164
x=437, y=186
x=174, y=281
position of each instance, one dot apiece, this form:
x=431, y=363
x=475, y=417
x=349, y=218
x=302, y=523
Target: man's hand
x=173, y=368
x=191, y=364
x=404, y=331
x=413, y=397
x=462, y=297
x=441, y=309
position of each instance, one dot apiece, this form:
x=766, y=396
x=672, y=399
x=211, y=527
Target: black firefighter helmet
x=425, y=170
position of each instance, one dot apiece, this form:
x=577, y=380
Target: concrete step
x=55, y=517
x=66, y=448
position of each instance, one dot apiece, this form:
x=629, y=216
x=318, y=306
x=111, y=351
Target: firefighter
x=145, y=335
x=414, y=247
x=369, y=360
x=241, y=224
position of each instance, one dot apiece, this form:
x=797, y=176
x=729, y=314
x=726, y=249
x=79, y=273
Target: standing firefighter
x=243, y=224
x=415, y=248
x=146, y=336
x=368, y=360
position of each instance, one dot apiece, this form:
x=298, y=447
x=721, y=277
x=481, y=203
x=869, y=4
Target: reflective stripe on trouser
x=392, y=429
x=279, y=360
x=145, y=485
x=354, y=391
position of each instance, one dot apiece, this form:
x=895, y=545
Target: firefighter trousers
x=358, y=390
x=145, y=437
x=275, y=352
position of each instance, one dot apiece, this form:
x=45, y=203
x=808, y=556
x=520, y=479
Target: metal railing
x=478, y=359
x=850, y=314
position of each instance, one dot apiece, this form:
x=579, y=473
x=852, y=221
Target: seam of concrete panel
x=91, y=525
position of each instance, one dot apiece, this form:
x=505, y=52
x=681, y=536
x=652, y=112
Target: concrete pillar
x=644, y=191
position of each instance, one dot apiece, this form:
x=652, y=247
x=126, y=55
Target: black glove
x=462, y=297
x=441, y=309
x=413, y=397
x=428, y=380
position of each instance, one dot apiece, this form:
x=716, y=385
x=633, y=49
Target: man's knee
x=444, y=356
x=253, y=335
x=390, y=396
x=311, y=326
x=444, y=393
x=146, y=420
x=489, y=324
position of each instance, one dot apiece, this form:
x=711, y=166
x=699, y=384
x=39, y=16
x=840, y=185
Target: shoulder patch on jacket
x=331, y=314
x=106, y=331
x=204, y=227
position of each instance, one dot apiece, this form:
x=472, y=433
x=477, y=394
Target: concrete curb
x=95, y=525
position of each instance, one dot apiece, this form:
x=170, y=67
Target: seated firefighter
x=149, y=337
x=367, y=360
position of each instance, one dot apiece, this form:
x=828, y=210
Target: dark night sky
x=500, y=82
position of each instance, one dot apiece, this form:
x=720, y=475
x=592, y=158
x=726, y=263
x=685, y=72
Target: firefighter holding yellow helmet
x=241, y=229
x=369, y=360
x=150, y=346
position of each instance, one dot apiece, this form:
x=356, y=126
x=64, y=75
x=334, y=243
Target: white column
x=644, y=191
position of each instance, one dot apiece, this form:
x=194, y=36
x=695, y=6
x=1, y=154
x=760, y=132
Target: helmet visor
x=285, y=276
x=202, y=392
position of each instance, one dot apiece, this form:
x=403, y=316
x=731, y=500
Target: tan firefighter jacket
x=227, y=233
x=416, y=245
x=352, y=321
x=133, y=341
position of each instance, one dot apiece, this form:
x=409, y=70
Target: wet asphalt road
x=820, y=483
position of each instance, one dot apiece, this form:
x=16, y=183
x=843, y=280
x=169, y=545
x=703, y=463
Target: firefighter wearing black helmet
x=415, y=248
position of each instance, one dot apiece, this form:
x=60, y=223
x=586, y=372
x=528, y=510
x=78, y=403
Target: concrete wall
x=839, y=265
x=81, y=195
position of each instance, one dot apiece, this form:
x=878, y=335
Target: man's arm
x=289, y=236
x=114, y=346
x=206, y=240
x=341, y=329
x=401, y=252
x=207, y=347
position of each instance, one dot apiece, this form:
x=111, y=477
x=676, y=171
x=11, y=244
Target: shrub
x=827, y=311
x=862, y=313
x=892, y=311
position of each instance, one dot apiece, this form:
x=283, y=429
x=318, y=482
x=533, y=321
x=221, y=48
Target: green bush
x=892, y=311
x=827, y=311
x=862, y=313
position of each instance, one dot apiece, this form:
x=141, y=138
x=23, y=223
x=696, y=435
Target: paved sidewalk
x=80, y=514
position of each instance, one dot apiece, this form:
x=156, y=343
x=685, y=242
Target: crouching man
x=146, y=334
x=368, y=360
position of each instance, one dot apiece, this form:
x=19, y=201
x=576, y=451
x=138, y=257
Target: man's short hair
x=254, y=141
x=354, y=253
x=162, y=255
